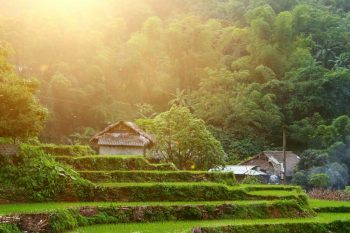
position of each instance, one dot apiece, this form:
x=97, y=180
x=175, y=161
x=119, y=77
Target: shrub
x=190, y=213
x=68, y=219
x=9, y=228
x=66, y=150
x=251, y=180
x=300, y=178
x=168, y=192
x=62, y=221
x=99, y=162
x=34, y=175
x=159, y=176
x=177, y=192
x=320, y=180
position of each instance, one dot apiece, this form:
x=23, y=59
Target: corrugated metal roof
x=241, y=170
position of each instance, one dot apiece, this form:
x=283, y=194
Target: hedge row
x=66, y=150
x=331, y=209
x=9, y=228
x=334, y=227
x=171, y=192
x=252, y=188
x=102, y=163
x=159, y=176
x=61, y=221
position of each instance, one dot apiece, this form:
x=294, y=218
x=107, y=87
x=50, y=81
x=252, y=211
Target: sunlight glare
x=67, y=5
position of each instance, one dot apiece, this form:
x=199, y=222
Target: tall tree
x=184, y=139
x=21, y=116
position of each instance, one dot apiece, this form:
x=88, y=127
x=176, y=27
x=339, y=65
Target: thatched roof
x=134, y=137
x=266, y=159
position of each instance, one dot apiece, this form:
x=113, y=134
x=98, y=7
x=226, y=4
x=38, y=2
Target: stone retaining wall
x=8, y=149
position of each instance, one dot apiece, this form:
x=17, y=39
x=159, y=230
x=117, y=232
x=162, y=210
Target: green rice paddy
x=6, y=209
x=186, y=226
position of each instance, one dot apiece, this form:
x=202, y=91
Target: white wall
x=120, y=150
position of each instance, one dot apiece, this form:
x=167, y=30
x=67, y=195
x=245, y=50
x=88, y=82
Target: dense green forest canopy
x=248, y=68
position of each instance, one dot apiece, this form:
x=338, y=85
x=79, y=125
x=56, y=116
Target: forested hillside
x=248, y=68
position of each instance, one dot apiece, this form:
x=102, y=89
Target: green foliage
x=320, y=180
x=251, y=180
x=66, y=150
x=34, y=175
x=9, y=228
x=195, y=191
x=336, y=227
x=104, y=162
x=63, y=220
x=300, y=178
x=20, y=113
x=312, y=158
x=159, y=176
x=225, y=103
x=247, y=68
x=184, y=139
x=199, y=191
x=68, y=219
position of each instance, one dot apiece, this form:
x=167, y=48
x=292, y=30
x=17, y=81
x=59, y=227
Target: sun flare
x=67, y=5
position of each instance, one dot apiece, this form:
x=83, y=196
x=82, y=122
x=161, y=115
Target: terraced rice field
x=186, y=226
x=137, y=200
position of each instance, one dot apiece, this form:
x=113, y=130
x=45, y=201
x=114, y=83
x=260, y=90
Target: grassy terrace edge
x=70, y=218
x=322, y=223
x=197, y=191
x=158, y=176
x=110, y=162
x=27, y=208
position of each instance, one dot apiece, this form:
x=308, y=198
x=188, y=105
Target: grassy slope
x=6, y=209
x=186, y=226
x=278, y=193
x=44, y=207
x=113, y=184
x=324, y=203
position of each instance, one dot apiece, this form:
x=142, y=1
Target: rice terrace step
x=111, y=162
x=157, y=176
x=143, y=212
x=323, y=223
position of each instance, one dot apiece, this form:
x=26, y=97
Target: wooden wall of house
x=121, y=150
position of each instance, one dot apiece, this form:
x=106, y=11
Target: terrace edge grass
x=66, y=150
x=111, y=162
x=195, y=225
x=70, y=218
x=310, y=227
x=159, y=176
x=180, y=192
x=9, y=228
